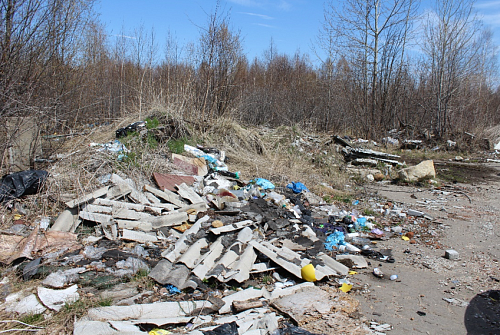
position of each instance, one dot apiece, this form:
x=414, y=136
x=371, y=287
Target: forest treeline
x=389, y=64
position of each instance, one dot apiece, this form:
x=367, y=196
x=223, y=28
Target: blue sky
x=292, y=24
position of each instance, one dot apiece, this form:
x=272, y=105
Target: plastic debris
x=297, y=187
x=334, y=240
x=308, y=273
x=263, y=183
x=21, y=183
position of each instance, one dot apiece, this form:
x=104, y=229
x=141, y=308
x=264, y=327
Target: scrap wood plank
x=166, y=195
x=188, y=193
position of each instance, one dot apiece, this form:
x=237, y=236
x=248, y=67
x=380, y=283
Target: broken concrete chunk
x=120, y=204
x=103, y=219
x=248, y=294
x=67, y=221
x=93, y=327
x=183, y=243
x=132, y=225
x=96, y=194
x=26, y=305
x=231, y=227
x=353, y=261
x=419, y=172
x=208, y=260
x=147, y=311
x=166, y=195
x=169, y=219
x=120, y=292
x=187, y=193
x=60, y=278
x=137, y=236
x=56, y=299
x=161, y=271
x=119, y=190
x=191, y=256
x=412, y=212
x=451, y=254
x=129, y=214
x=299, y=305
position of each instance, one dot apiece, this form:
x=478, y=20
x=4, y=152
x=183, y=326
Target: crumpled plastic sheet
x=17, y=184
x=264, y=183
x=297, y=187
x=334, y=240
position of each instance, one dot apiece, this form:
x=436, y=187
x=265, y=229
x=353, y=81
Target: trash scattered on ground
x=209, y=252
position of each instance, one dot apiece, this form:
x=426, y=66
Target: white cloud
x=262, y=16
x=264, y=25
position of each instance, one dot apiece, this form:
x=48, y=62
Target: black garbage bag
x=134, y=127
x=17, y=184
x=225, y=329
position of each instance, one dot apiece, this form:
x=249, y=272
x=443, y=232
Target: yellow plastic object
x=353, y=273
x=345, y=287
x=308, y=273
x=158, y=331
x=406, y=238
x=17, y=216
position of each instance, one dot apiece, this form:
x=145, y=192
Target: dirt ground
x=413, y=304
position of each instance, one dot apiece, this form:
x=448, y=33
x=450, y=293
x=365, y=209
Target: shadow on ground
x=482, y=316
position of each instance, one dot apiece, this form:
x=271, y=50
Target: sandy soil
x=414, y=303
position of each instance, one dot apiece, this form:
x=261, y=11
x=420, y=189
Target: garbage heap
x=226, y=256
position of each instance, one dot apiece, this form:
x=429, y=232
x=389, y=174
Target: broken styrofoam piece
x=56, y=299
x=147, y=311
x=138, y=236
x=96, y=194
x=182, y=244
x=231, y=227
x=249, y=293
x=23, y=305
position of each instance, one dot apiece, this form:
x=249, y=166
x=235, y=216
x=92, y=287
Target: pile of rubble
x=228, y=256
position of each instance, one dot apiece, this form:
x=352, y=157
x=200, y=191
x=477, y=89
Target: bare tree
x=371, y=36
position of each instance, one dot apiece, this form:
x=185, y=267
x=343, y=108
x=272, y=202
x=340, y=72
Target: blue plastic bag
x=297, y=187
x=334, y=240
x=264, y=183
